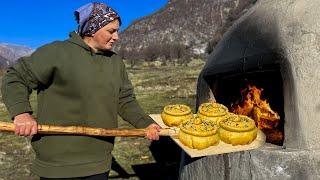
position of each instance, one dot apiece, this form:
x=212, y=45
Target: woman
x=79, y=81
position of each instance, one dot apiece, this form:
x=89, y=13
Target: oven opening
x=257, y=94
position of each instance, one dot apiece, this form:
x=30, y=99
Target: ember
x=266, y=119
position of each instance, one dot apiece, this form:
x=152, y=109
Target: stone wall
x=265, y=164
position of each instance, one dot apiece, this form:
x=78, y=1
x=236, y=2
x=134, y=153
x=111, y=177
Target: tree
x=180, y=52
x=133, y=57
x=150, y=53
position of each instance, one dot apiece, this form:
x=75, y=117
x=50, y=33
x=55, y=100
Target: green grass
x=155, y=87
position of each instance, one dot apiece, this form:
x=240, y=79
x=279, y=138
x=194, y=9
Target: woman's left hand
x=152, y=132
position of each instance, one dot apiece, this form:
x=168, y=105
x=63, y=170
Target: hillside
x=191, y=23
x=9, y=53
x=4, y=62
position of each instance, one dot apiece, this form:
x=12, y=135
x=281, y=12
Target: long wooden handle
x=79, y=130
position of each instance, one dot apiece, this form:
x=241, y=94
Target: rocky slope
x=192, y=23
x=9, y=53
x=4, y=63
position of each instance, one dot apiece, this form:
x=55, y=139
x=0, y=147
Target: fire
x=253, y=106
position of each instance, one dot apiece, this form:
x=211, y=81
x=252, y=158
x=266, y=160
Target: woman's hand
x=152, y=132
x=25, y=125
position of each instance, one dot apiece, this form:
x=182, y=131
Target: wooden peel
x=79, y=130
x=221, y=148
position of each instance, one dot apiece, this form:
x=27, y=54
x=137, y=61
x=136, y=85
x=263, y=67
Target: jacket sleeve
x=129, y=108
x=29, y=73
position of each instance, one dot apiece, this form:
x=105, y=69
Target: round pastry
x=212, y=111
x=173, y=115
x=198, y=134
x=237, y=129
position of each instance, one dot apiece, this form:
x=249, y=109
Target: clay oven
x=274, y=46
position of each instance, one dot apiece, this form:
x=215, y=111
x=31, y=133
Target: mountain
x=181, y=28
x=191, y=23
x=4, y=63
x=9, y=53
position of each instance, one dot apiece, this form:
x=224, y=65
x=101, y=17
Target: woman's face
x=104, y=38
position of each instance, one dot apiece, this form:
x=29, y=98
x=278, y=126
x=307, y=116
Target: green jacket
x=75, y=86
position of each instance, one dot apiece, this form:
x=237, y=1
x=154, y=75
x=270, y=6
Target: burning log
x=265, y=120
x=274, y=136
x=253, y=106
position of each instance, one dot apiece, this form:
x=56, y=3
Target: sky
x=34, y=23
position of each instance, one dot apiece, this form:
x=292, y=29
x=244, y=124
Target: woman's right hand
x=25, y=125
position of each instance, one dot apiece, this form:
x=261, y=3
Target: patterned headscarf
x=93, y=16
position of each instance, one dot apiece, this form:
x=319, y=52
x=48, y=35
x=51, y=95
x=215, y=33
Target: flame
x=253, y=106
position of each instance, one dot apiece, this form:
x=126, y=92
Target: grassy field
x=135, y=158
